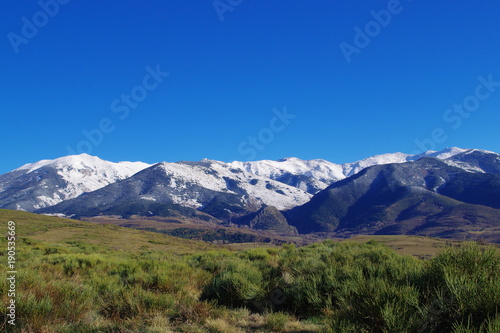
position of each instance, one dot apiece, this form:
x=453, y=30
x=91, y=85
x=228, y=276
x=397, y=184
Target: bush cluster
x=364, y=288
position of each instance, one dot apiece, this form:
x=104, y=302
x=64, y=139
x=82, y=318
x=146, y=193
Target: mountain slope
x=310, y=176
x=474, y=160
x=402, y=198
x=267, y=218
x=48, y=182
x=208, y=186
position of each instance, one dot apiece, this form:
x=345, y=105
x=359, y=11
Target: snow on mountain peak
x=87, y=161
x=447, y=152
x=323, y=173
x=53, y=181
x=225, y=177
x=482, y=151
x=353, y=168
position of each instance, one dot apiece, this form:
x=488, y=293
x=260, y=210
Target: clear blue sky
x=73, y=73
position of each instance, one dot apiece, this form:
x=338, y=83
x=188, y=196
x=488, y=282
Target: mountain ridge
x=452, y=182
x=73, y=175
x=417, y=197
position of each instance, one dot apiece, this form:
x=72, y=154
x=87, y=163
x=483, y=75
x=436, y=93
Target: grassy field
x=200, y=229
x=76, y=276
x=54, y=230
x=418, y=246
x=107, y=231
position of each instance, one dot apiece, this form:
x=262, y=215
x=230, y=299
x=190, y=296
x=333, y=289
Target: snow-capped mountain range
x=48, y=182
x=283, y=184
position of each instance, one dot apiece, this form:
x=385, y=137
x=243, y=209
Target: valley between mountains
x=453, y=193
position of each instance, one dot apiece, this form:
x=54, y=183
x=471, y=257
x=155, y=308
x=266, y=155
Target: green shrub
x=212, y=261
x=461, y=287
x=277, y=321
x=237, y=285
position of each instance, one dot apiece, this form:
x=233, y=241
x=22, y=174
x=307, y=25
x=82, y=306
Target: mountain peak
x=82, y=160
x=448, y=152
x=48, y=182
x=289, y=159
x=65, y=160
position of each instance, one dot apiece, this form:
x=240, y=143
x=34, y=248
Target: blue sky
x=339, y=80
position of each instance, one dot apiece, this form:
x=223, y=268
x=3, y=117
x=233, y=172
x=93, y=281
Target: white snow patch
x=448, y=152
x=323, y=172
x=464, y=166
x=55, y=214
x=216, y=176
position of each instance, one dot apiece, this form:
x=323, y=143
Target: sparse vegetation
x=214, y=235
x=77, y=282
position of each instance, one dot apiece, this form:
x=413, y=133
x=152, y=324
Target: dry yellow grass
x=55, y=230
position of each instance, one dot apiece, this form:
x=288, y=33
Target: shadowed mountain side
x=267, y=218
x=476, y=160
x=149, y=192
x=406, y=198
